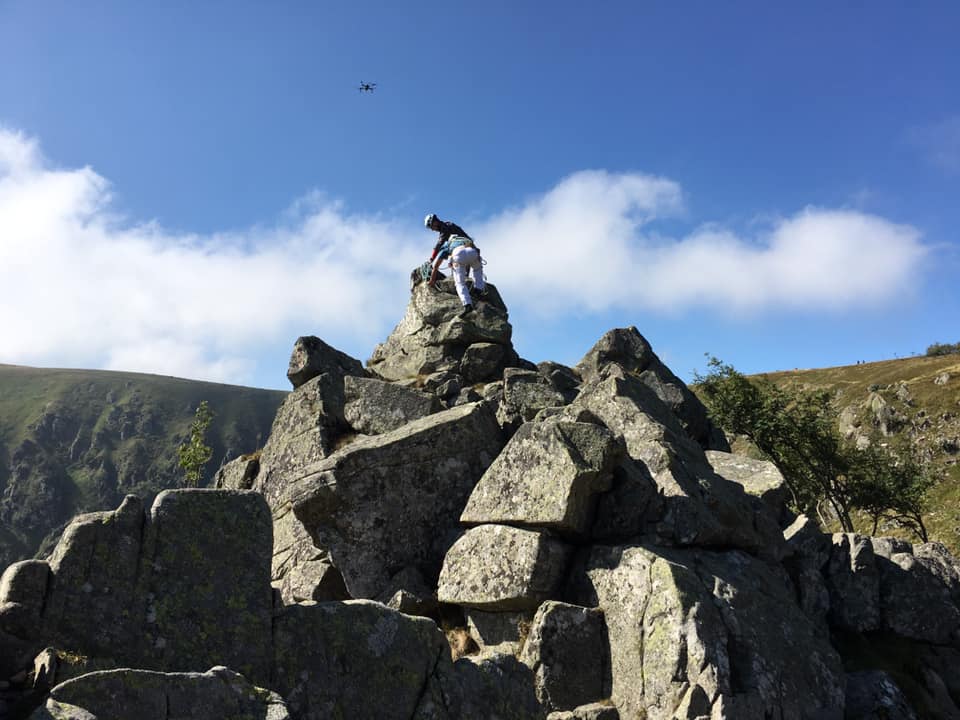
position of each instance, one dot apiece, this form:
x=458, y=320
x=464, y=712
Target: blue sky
x=185, y=188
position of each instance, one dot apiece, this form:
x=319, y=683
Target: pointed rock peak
x=623, y=346
x=436, y=335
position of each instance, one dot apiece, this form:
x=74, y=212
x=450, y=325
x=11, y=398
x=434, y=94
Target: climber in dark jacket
x=446, y=229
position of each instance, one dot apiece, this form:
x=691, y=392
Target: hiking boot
x=467, y=309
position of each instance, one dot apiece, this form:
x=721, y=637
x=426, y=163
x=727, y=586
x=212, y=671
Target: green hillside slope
x=911, y=400
x=75, y=441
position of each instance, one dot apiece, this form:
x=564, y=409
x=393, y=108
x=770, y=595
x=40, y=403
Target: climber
x=464, y=257
x=446, y=229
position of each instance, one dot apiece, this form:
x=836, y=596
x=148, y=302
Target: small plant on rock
x=195, y=453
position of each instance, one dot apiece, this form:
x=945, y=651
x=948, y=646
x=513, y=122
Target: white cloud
x=82, y=287
x=591, y=242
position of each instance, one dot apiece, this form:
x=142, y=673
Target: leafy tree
x=798, y=431
x=195, y=454
x=892, y=487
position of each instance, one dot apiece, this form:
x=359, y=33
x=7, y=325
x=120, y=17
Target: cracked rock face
x=706, y=630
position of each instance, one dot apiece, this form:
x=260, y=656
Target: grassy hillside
x=912, y=400
x=79, y=440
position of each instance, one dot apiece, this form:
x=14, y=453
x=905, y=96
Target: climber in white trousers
x=464, y=259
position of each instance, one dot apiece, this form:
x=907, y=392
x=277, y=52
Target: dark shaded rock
x=490, y=685
x=854, y=584
x=311, y=357
x=915, y=596
x=809, y=551
x=874, y=695
x=568, y=651
x=632, y=505
x=363, y=660
x=147, y=695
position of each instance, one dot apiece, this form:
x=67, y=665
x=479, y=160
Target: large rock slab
x=185, y=588
x=481, y=687
x=90, y=598
x=627, y=348
x=208, y=595
x=694, y=632
x=356, y=659
x=391, y=501
x=496, y=567
x=547, y=476
x=373, y=406
x=149, y=695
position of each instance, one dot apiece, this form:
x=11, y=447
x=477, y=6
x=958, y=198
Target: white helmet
x=428, y=220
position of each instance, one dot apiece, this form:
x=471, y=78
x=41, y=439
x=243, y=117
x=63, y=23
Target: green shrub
x=943, y=349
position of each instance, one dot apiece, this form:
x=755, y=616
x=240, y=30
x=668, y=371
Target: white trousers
x=462, y=260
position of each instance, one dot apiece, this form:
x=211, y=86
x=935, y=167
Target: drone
x=367, y=87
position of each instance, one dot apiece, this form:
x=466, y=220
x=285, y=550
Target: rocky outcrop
x=586, y=544
x=696, y=506
x=628, y=349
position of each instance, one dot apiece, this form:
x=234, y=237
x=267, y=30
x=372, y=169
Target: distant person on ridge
x=464, y=257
